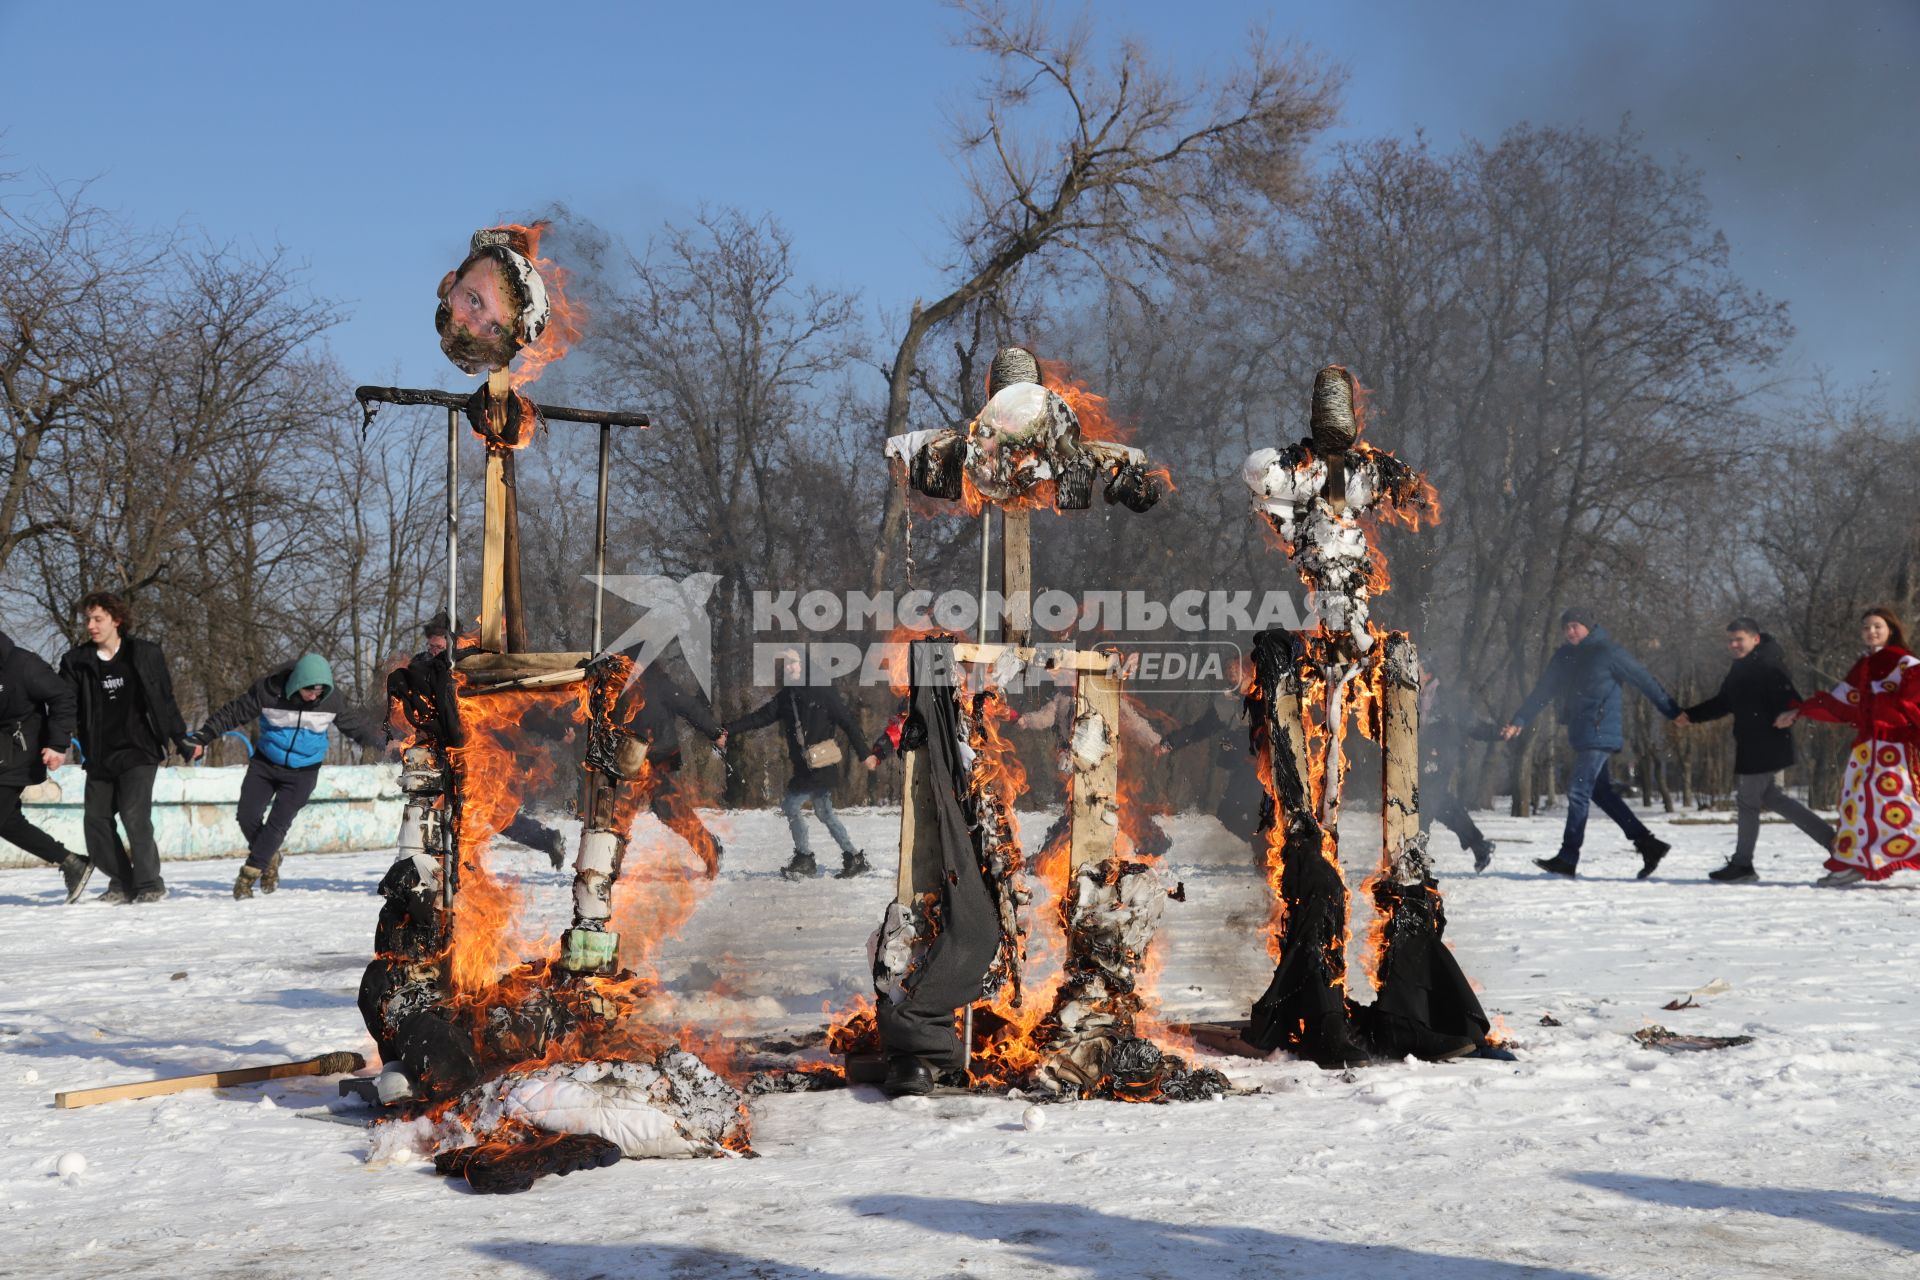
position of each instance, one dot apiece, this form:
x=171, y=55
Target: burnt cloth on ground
x=949, y=977
x=497, y=1168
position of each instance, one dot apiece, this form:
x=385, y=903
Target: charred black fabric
x=437, y=1054
x=1426, y=1006
x=956, y=963
x=499, y=1169
x=407, y=921
x=1304, y=1008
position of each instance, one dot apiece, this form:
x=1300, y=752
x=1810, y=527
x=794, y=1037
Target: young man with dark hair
x=127, y=718
x=1584, y=677
x=296, y=706
x=36, y=723
x=1757, y=688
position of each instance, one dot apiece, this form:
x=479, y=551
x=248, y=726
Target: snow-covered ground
x=1797, y=1155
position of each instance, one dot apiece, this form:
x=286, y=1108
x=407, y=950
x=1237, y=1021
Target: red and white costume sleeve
x=1879, y=832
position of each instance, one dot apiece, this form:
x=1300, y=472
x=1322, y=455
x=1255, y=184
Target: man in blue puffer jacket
x=297, y=706
x=1583, y=678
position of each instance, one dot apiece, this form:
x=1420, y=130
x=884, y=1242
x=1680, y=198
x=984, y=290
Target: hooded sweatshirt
x=293, y=731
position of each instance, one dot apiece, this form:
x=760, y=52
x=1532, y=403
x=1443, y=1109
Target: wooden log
x=1095, y=783
x=327, y=1064
x=512, y=603
x=1076, y=659
x=1399, y=750
x=919, y=836
x=493, y=559
x=1016, y=572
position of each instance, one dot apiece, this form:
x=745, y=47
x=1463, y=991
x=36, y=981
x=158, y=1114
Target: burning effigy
x=508, y=1054
x=1324, y=497
x=957, y=934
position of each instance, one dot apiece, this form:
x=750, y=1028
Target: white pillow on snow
x=622, y=1114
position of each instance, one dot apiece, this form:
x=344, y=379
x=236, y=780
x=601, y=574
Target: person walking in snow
x=36, y=723
x=296, y=706
x=1446, y=726
x=649, y=711
x=1756, y=691
x=808, y=716
x=1880, y=698
x=1583, y=678
x=126, y=718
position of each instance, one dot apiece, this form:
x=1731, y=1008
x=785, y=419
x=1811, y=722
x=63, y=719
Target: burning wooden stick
x=327, y=1064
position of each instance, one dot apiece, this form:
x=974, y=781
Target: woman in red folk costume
x=1879, y=800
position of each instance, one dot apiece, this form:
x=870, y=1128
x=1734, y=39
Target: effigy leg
x=1305, y=1006
x=1425, y=1006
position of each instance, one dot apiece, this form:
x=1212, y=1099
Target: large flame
x=564, y=326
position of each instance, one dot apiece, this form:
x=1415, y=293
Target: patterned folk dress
x=1879, y=829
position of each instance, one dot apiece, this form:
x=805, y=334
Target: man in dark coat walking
x=1757, y=688
x=1583, y=678
x=808, y=716
x=36, y=723
x=127, y=719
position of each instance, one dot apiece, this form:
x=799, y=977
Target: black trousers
x=270, y=797
x=1445, y=808
x=128, y=795
x=16, y=830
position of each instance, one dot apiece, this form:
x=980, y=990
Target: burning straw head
x=494, y=303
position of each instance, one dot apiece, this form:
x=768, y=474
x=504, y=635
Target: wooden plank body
x=1016, y=572
x=1095, y=783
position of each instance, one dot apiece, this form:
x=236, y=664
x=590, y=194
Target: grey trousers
x=1758, y=791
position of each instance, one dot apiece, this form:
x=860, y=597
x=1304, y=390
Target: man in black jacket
x=1756, y=689
x=127, y=719
x=1447, y=724
x=649, y=712
x=36, y=723
x=808, y=715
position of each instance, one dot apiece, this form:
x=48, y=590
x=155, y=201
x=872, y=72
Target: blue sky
x=360, y=136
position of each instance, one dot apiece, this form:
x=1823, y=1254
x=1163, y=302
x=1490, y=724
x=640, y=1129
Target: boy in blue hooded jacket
x=297, y=707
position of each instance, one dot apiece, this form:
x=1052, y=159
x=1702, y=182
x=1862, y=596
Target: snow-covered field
x=1797, y=1155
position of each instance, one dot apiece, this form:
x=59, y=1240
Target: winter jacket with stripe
x=293, y=731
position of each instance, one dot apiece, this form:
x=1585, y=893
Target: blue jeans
x=1588, y=784
x=823, y=809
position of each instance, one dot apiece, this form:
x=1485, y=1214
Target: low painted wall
x=354, y=806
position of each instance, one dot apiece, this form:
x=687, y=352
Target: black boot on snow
x=803, y=867
x=853, y=864
x=76, y=871
x=1557, y=866
x=907, y=1076
x=1735, y=873
x=1652, y=849
x=1483, y=854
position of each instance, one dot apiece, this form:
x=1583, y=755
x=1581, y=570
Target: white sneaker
x=1840, y=879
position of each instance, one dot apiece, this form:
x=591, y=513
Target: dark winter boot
x=853, y=864
x=76, y=871
x=1482, y=853
x=270, y=878
x=1652, y=849
x=1735, y=873
x=115, y=896
x=803, y=867
x=243, y=883
x=1557, y=866
x=907, y=1076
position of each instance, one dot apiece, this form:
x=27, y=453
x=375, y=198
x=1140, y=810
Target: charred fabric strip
x=500, y=1168
x=1305, y=1007
x=917, y=1010
x=1658, y=1037
x=809, y=1080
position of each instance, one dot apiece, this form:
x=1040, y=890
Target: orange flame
x=566, y=323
